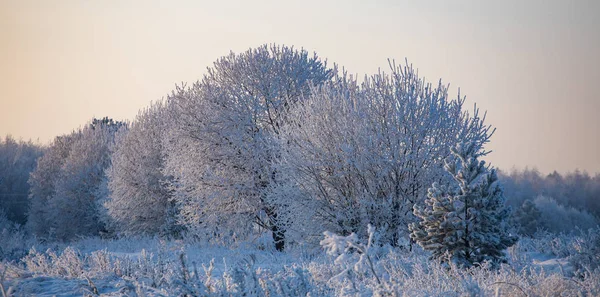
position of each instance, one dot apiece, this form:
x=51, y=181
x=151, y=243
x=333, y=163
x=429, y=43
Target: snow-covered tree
x=139, y=200
x=224, y=137
x=42, y=183
x=17, y=161
x=79, y=191
x=68, y=183
x=466, y=224
x=365, y=153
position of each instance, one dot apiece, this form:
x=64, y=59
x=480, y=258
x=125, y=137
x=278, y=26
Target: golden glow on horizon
x=534, y=67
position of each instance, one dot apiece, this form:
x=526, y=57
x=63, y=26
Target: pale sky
x=534, y=66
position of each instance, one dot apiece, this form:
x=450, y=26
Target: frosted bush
x=69, y=264
x=350, y=252
x=407, y=275
x=412, y=274
x=37, y=262
x=586, y=251
x=100, y=261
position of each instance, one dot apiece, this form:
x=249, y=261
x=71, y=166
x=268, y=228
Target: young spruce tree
x=467, y=225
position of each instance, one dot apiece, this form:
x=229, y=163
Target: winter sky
x=533, y=65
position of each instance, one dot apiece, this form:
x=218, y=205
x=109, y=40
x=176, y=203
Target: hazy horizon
x=532, y=66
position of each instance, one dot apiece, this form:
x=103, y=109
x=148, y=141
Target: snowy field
x=546, y=266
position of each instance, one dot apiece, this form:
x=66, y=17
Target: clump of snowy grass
x=350, y=266
x=170, y=273
x=400, y=273
x=586, y=252
x=581, y=251
x=68, y=264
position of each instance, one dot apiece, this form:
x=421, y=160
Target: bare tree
x=139, y=201
x=225, y=136
x=69, y=182
x=366, y=153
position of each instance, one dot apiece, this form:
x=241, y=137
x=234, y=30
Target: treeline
x=17, y=160
x=274, y=141
x=553, y=202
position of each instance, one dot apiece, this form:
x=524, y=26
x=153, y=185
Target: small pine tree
x=467, y=225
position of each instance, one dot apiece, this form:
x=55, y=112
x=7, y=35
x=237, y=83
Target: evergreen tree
x=467, y=224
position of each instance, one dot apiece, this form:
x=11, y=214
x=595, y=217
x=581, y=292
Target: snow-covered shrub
x=586, y=252
x=351, y=254
x=67, y=264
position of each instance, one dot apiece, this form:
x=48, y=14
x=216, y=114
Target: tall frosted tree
x=365, y=153
x=69, y=182
x=43, y=181
x=466, y=224
x=224, y=138
x=139, y=200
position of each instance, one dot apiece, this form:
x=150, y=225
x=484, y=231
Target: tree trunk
x=278, y=238
x=278, y=233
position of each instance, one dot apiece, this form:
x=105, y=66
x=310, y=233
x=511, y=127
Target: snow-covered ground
x=547, y=266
